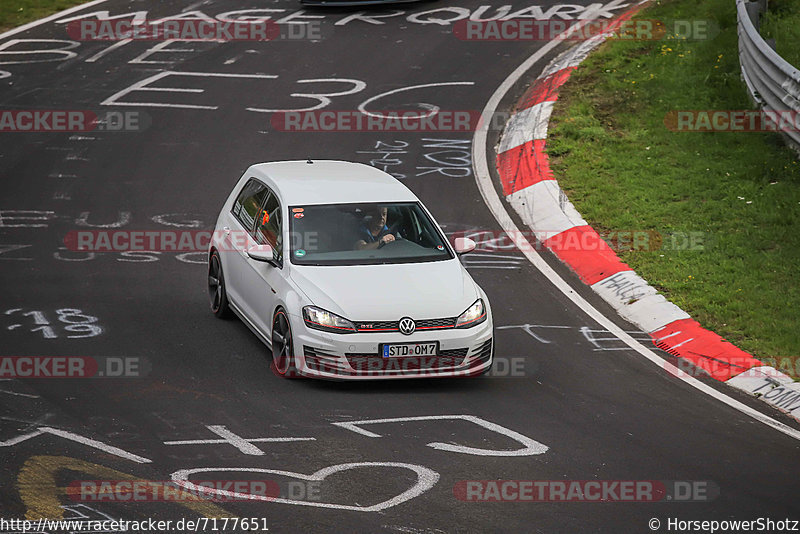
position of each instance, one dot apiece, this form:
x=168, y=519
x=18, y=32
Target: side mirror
x=261, y=253
x=463, y=245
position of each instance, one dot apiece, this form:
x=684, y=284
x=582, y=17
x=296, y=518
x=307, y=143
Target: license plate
x=400, y=350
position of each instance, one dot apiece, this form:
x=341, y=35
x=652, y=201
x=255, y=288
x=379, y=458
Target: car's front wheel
x=283, y=345
x=216, y=287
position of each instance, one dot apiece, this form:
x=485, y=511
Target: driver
x=373, y=230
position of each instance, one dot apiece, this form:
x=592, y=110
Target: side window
x=249, y=202
x=268, y=227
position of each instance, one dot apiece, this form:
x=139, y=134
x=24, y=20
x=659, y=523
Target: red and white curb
x=531, y=189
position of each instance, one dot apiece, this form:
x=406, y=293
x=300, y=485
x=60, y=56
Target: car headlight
x=320, y=319
x=475, y=314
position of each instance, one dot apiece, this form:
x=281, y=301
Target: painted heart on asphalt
x=426, y=479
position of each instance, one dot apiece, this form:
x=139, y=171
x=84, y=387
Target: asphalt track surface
x=603, y=412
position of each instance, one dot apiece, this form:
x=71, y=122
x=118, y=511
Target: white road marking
x=530, y=448
x=78, y=439
x=668, y=336
x=432, y=110
x=123, y=218
x=243, y=444
x=486, y=187
x=11, y=248
x=103, y=52
x=682, y=343
x=162, y=219
x=588, y=334
x=237, y=441
x=323, y=99
x=527, y=329
x=143, y=86
x=25, y=215
x=426, y=479
x=62, y=54
x=163, y=48
x=27, y=395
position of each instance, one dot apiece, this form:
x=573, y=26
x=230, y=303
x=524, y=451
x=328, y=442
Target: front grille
x=376, y=326
x=436, y=323
x=376, y=362
x=320, y=360
x=455, y=353
x=484, y=352
x=393, y=326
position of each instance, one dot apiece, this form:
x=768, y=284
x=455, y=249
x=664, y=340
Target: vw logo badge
x=407, y=326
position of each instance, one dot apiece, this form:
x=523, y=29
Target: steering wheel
x=392, y=229
x=384, y=243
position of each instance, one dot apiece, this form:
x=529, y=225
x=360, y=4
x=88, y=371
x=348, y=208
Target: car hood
x=429, y=290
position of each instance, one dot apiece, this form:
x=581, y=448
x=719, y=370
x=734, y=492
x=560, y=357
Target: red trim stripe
x=585, y=252
x=545, y=89
x=523, y=166
x=686, y=339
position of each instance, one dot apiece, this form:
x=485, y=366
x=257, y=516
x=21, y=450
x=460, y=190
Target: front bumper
x=462, y=352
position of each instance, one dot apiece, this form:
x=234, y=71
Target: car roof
x=330, y=182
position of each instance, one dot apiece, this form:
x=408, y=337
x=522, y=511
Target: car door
x=238, y=238
x=268, y=276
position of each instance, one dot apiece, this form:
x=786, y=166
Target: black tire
x=217, y=295
x=283, y=346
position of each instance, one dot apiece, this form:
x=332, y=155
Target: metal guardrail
x=773, y=83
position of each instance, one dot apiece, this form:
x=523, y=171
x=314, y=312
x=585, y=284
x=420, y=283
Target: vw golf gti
x=344, y=274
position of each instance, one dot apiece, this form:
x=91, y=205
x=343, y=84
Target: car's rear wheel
x=283, y=345
x=216, y=288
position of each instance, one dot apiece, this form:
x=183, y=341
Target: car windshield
x=363, y=234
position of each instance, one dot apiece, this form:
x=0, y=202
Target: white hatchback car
x=342, y=271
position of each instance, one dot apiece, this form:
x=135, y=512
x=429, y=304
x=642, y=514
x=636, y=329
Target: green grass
x=15, y=13
x=782, y=23
x=624, y=170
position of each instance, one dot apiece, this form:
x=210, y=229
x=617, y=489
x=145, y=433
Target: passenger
x=373, y=230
